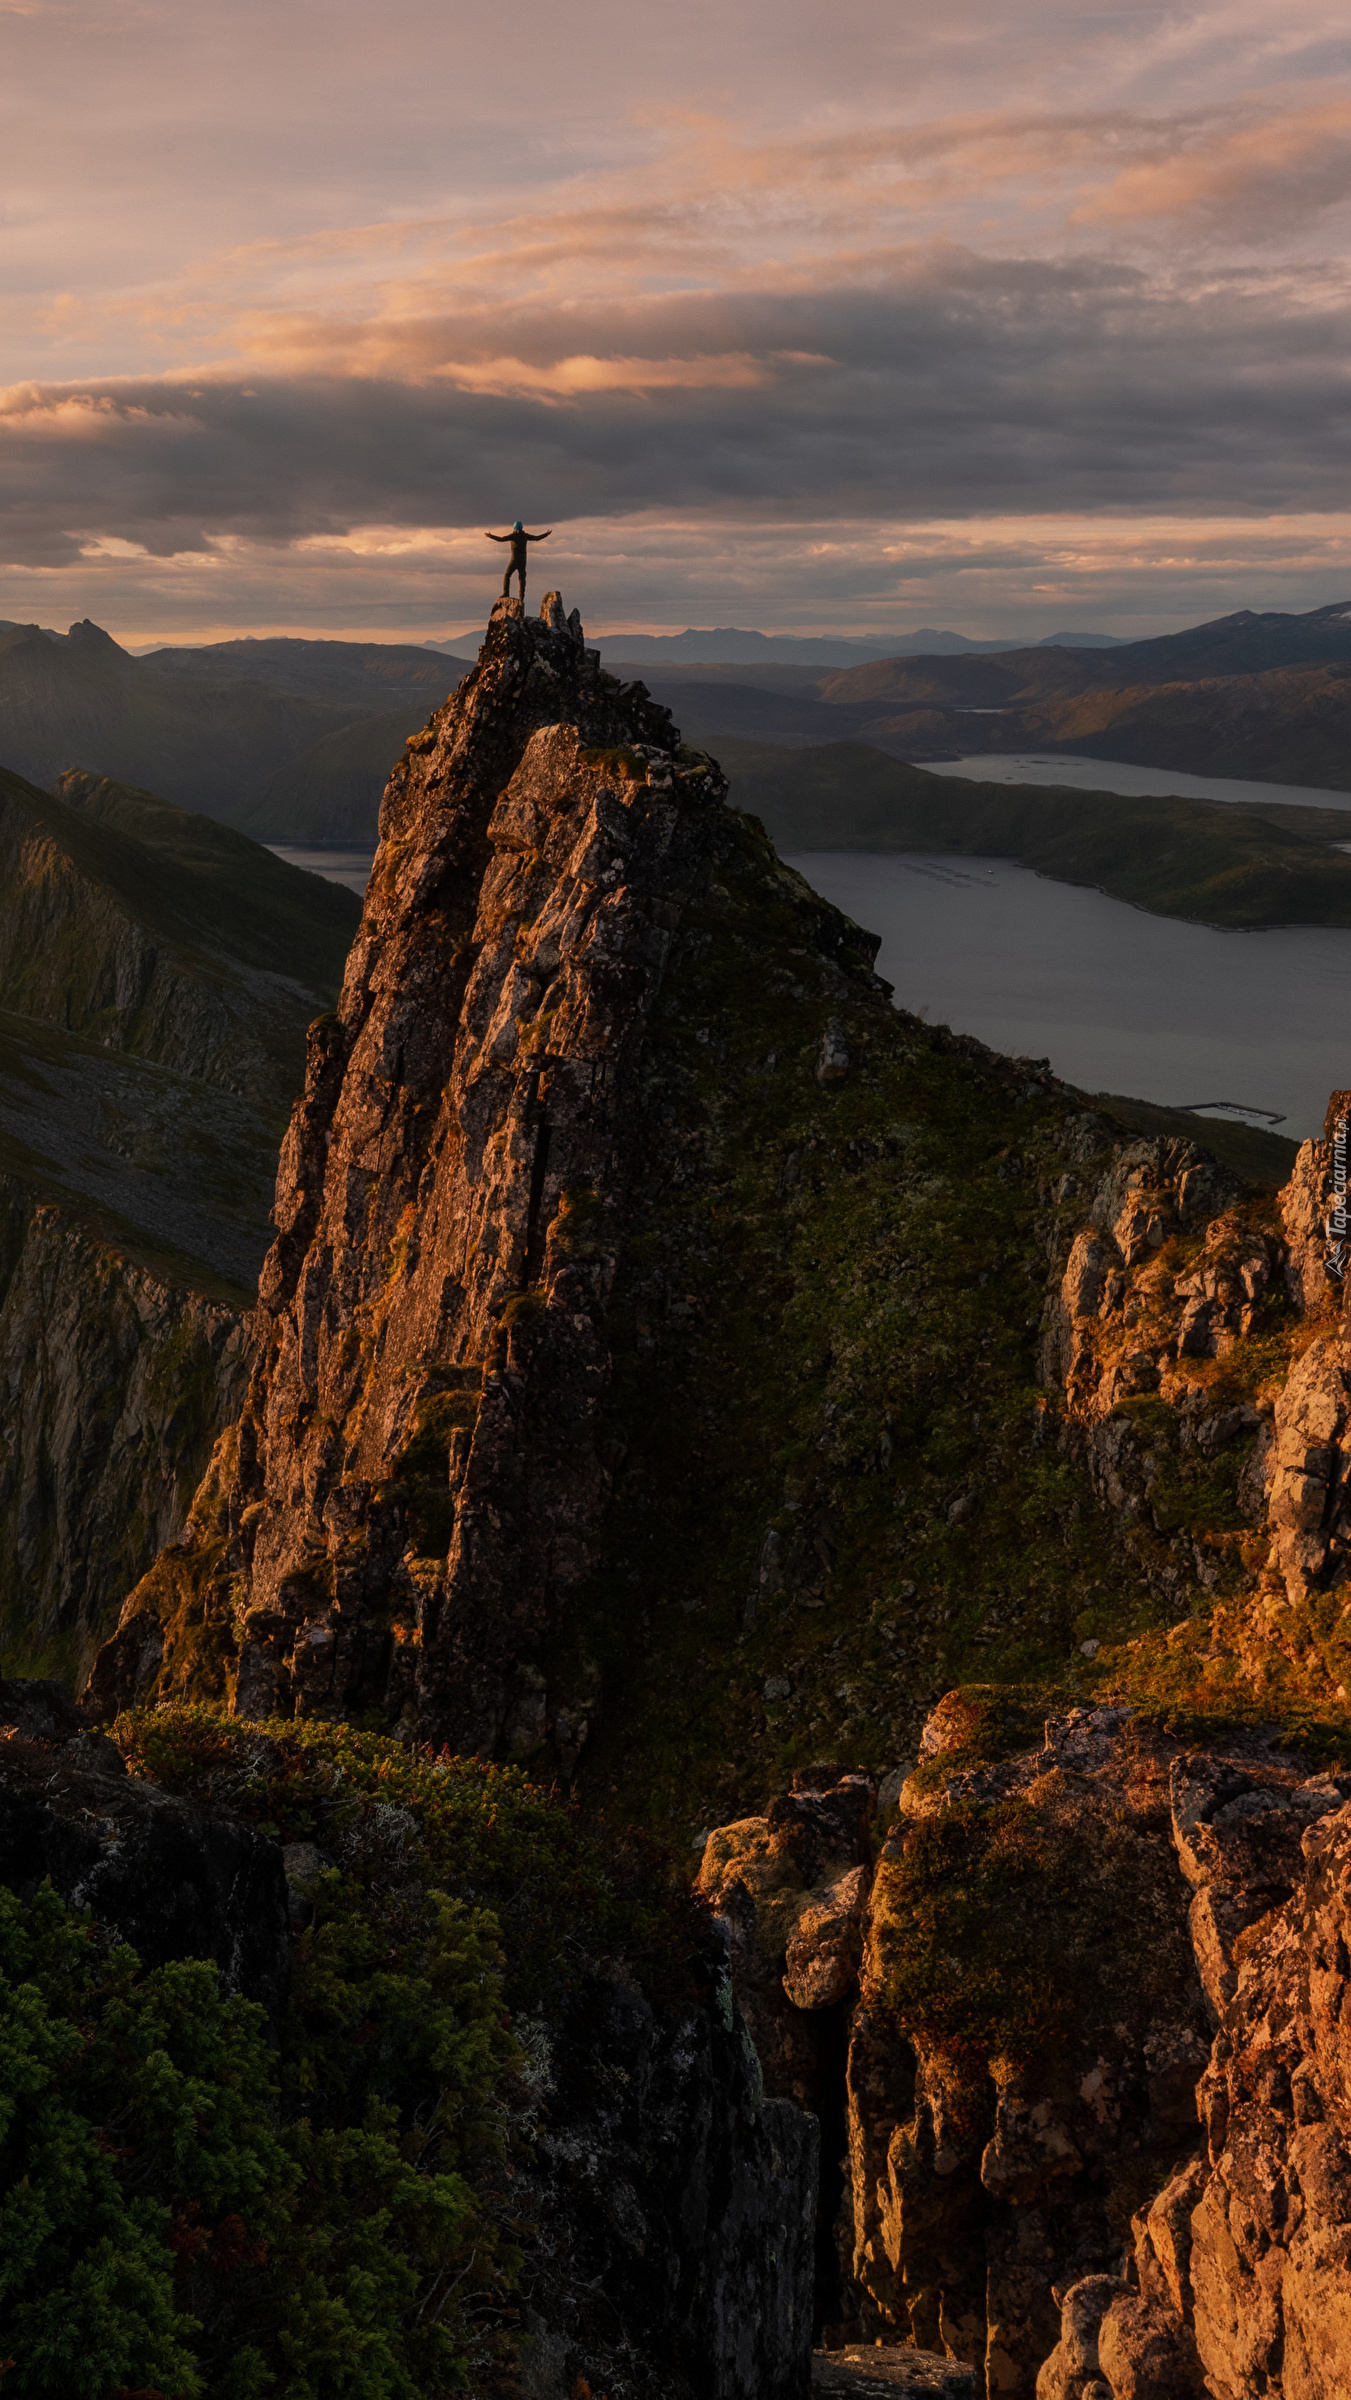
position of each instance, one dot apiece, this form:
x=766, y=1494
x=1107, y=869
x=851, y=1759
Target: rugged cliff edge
x=415, y=1482
x=678, y=1368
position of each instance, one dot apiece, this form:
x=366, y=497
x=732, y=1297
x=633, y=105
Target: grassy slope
x=193, y=881
x=1265, y=1160
x=1291, y=725
x=826, y=1332
x=1211, y=862
x=172, y=1168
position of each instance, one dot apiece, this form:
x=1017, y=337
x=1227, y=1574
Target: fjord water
x=1144, y=783
x=349, y=867
x=1119, y=1001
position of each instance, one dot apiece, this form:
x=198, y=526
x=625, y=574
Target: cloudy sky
x=826, y=315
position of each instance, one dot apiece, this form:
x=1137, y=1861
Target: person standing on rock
x=518, y=538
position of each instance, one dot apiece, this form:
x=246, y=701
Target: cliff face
x=676, y=1367
x=114, y=1386
x=1063, y=1956
x=157, y=974
x=1237, y=2277
x=416, y=1483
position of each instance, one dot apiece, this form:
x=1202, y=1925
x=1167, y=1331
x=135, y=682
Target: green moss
x=559, y=1891
x=991, y=1722
x=435, y=1420
x=964, y=1962
x=1009, y=1931
x=629, y=766
x=825, y=1331
x=522, y=1307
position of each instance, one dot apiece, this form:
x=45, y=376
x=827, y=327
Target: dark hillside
x=838, y=1489
x=1214, y=863
x=197, y=880
x=1250, y=642
x=157, y=976
x=331, y=792
x=1288, y=725
x=82, y=700
x=1246, y=643
x=160, y=932
x=209, y=728
x=348, y=671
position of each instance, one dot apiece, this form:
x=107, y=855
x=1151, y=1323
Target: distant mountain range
x=292, y=741
x=735, y=646
x=214, y=728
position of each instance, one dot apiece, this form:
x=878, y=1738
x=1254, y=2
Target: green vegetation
x=175, y=2219
x=193, y=881
x=1213, y=862
x=829, y=1440
x=967, y=1963
x=1012, y=1936
x=835, y=1464
x=557, y=1890
x=189, y=2210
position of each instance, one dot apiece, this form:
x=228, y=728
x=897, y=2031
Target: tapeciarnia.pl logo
x=1338, y=1227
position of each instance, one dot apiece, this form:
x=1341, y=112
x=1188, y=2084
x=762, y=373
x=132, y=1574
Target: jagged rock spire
x=413, y=1486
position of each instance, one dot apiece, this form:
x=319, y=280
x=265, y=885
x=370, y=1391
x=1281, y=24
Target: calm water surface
x=351, y=867
x=1118, y=1001
x=1108, y=775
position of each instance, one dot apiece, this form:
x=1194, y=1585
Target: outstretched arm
x=497, y=537
x=539, y=537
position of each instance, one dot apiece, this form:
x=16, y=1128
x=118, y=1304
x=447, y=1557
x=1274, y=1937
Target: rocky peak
x=414, y=1485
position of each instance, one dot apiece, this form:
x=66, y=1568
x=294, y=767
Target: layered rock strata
x=1032, y=1980
x=1174, y=1269
x=415, y=1483
x=1239, y=2277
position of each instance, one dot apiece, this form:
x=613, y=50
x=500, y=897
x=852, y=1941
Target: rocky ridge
x=1062, y=1955
x=415, y=1483
x=616, y=1180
